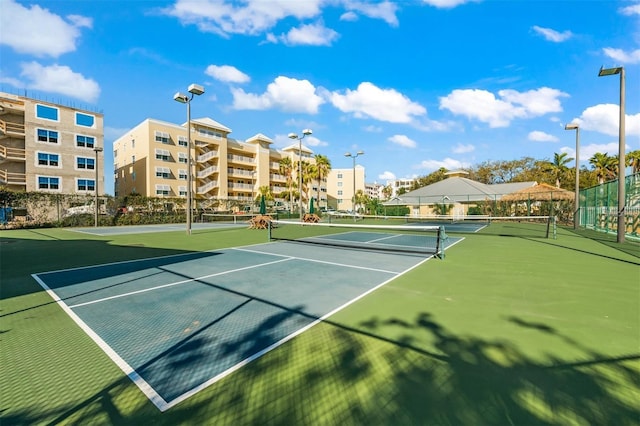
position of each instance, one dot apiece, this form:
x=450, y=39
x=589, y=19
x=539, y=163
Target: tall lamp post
x=354, y=156
x=305, y=132
x=97, y=149
x=194, y=89
x=576, y=216
x=621, y=151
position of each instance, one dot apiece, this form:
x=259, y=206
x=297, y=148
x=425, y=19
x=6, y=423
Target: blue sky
x=417, y=85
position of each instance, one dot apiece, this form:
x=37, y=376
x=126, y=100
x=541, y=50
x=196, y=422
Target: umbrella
x=311, y=210
x=263, y=206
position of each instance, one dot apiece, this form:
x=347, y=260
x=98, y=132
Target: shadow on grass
x=345, y=375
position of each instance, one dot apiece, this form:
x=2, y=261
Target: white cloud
x=37, y=31
x=349, y=16
x=372, y=129
x=402, y=140
x=447, y=163
x=313, y=141
x=384, y=10
x=445, y=4
x=227, y=73
x=386, y=175
x=553, y=35
x=251, y=17
x=485, y=107
x=369, y=100
x=538, y=136
x=60, y=79
x=605, y=119
x=634, y=9
x=588, y=151
x=310, y=35
x=286, y=94
x=622, y=57
x=463, y=149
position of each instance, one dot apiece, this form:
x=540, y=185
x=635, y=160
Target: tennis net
x=238, y=218
x=422, y=240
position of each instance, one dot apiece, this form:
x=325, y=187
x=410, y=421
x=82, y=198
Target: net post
x=269, y=224
x=439, y=242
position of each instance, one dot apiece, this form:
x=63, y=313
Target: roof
x=260, y=137
x=295, y=147
x=541, y=192
x=208, y=122
x=458, y=189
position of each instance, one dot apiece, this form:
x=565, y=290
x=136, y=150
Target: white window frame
x=37, y=160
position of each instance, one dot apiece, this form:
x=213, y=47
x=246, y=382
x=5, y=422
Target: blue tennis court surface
x=177, y=324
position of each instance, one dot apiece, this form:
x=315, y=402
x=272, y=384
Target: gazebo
x=538, y=194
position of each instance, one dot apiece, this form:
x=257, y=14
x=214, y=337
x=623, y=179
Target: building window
x=85, y=141
x=45, y=159
x=182, y=174
x=182, y=158
x=47, y=112
x=133, y=159
x=340, y=192
x=162, y=137
x=85, y=163
x=163, y=172
x=182, y=190
x=48, y=182
x=182, y=141
x=339, y=184
x=45, y=135
x=85, y=120
x=339, y=175
x=86, y=185
x=163, y=154
x=163, y=190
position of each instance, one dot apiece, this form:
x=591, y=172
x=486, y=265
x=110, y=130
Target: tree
x=387, y=191
x=360, y=198
x=634, y=161
x=286, y=168
x=604, y=166
x=558, y=166
x=321, y=169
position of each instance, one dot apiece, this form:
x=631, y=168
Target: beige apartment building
x=342, y=183
x=49, y=147
x=151, y=159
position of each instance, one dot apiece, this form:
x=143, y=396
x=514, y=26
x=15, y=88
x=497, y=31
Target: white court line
x=366, y=268
x=178, y=283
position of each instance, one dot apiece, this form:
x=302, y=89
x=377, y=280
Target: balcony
x=12, y=178
x=240, y=186
x=240, y=172
x=207, y=156
x=8, y=153
x=207, y=187
x=11, y=129
x=240, y=159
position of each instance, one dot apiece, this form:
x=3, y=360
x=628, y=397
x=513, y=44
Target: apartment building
x=49, y=147
x=374, y=190
x=397, y=184
x=151, y=159
x=342, y=184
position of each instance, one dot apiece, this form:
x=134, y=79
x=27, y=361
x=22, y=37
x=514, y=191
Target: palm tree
x=360, y=198
x=387, y=191
x=604, y=166
x=634, y=161
x=321, y=169
x=286, y=168
x=558, y=166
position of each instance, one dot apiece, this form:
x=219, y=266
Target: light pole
x=621, y=148
x=354, y=156
x=194, y=89
x=576, y=216
x=305, y=132
x=97, y=149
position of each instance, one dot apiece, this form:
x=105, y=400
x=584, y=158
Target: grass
x=505, y=330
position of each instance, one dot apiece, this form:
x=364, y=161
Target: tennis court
x=177, y=324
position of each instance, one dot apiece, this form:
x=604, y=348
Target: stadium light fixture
x=305, y=132
x=576, y=215
x=621, y=151
x=195, y=90
x=354, y=156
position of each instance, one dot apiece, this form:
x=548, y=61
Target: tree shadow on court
x=424, y=374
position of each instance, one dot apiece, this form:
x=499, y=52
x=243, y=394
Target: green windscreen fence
x=599, y=207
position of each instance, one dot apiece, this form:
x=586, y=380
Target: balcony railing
x=12, y=178
x=9, y=153
x=207, y=156
x=207, y=187
x=240, y=158
x=11, y=129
